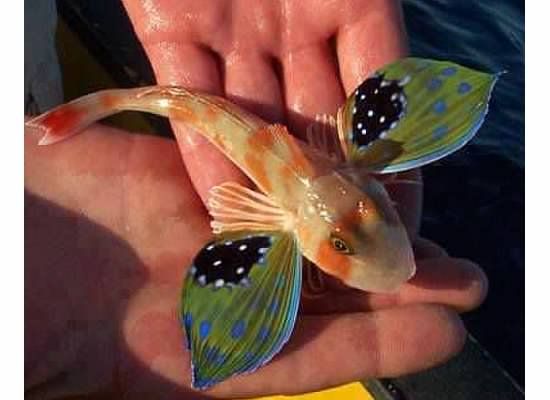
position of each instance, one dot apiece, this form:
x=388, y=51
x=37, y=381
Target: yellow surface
x=352, y=391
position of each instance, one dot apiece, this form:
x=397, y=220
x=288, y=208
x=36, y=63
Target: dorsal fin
x=322, y=135
x=277, y=138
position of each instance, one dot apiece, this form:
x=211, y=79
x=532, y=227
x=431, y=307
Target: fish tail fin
x=69, y=119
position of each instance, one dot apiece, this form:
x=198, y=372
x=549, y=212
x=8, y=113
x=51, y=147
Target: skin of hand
x=113, y=219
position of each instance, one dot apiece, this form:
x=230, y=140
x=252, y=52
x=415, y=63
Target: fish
x=319, y=201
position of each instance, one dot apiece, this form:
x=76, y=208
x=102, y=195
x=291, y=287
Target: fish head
x=355, y=234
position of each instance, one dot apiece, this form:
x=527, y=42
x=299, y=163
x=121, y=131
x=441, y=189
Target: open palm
x=114, y=219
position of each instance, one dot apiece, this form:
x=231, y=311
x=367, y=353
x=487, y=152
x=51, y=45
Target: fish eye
x=340, y=245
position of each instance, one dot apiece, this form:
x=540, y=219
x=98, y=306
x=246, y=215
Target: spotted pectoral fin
x=239, y=303
x=234, y=207
x=413, y=112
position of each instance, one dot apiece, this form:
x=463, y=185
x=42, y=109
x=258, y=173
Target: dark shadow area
x=474, y=375
x=475, y=199
x=484, y=222
x=79, y=277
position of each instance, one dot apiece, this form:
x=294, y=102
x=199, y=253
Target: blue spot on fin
x=440, y=106
x=435, y=83
x=464, y=87
x=439, y=132
x=449, y=71
x=204, y=329
x=238, y=329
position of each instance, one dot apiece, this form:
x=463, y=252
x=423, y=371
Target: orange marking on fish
x=218, y=139
x=340, y=262
x=298, y=158
x=211, y=113
x=286, y=175
x=184, y=113
x=262, y=139
x=108, y=101
x=286, y=172
x=304, y=232
x=258, y=166
x=365, y=210
x=58, y=120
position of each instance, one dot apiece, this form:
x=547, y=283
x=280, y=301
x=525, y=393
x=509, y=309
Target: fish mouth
x=386, y=269
x=379, y=281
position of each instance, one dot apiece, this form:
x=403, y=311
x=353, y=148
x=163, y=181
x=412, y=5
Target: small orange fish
x=241, y=296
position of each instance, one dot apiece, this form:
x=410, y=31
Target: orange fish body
x=319, y=205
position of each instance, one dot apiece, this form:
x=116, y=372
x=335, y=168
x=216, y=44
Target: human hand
x=285, y=61
x=111, y=223
x=129, y=198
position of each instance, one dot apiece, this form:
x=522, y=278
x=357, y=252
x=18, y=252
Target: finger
x=360, y=52
x=370, y=42
x=425, y=248
x=194, y=67
x=105, y=175
x=405, y=189
x=251, y=82
x=311, y=84
x=383, y=343
x=453, y=282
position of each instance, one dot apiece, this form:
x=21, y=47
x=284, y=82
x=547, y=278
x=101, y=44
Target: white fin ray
x=322, y=135
x=235, y=207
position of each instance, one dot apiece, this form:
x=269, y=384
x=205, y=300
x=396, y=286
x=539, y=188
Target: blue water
x=488, y=35
x=474, y=199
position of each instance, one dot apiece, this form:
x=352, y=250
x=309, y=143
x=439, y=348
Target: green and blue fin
x=411, y=113
x=240, y=302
